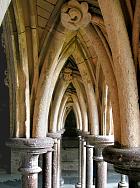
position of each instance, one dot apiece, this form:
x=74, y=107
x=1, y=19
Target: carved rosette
x=75, y=15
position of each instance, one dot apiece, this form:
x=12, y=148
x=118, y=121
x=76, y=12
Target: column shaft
x=30, y=181
x=79, y=162
x=101, y=174
x=47, y=170
x=58, y=163
x=55, y=163
x=83, y=165
x=29, y=170
x=101, y=168
x=89, y=170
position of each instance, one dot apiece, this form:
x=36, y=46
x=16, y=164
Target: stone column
x=47, y=170
x=30, y=150
x=83, y=164
x=99, y=142
x=79, y=162
x=30, y=170
x=54, y=173
x=89, y=166
x=123, y=183
x=101, y=169
x=58, y=162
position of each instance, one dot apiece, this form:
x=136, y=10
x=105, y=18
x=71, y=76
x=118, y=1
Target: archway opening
x=69, y=151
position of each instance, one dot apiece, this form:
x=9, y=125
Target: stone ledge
x=125, y=160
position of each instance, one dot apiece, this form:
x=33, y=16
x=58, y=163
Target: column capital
x=126, y=160
x=89, y=146
x=85, y=133
x=56, y=135
x=100, y=140
x=31, y=145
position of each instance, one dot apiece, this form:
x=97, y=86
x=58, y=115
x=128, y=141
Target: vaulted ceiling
x=65, y=55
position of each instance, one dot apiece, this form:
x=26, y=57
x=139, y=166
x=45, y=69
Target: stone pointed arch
x=82, y=103
x=44, y=84
x=59, y=92
x=110, y=78
x=88, y=84
x=45, y=92
x=20, y=78
x=61, y=111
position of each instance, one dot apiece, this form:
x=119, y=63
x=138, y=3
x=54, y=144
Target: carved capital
x=75, y=15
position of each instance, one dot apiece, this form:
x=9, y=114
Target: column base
x=78, y=185
x=122, y=185
x=61, y=182
x=125, y=160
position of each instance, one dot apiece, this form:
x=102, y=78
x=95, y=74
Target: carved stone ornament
x=75, y=15
x=67, y=74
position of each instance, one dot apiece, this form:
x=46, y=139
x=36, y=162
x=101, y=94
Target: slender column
x=101, y=169
x=55, y=163
x=59, y=162
x=56, y=158
x=99, y=143
x=47, y=170
x=123, y=183
x=83, y=164
x=89, y=170
x=79, y=162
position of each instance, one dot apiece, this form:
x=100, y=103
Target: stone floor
x=14, y=181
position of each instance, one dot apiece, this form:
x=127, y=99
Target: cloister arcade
x=71, y=56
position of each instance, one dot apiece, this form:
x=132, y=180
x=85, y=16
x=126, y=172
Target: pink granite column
x=47, y=170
